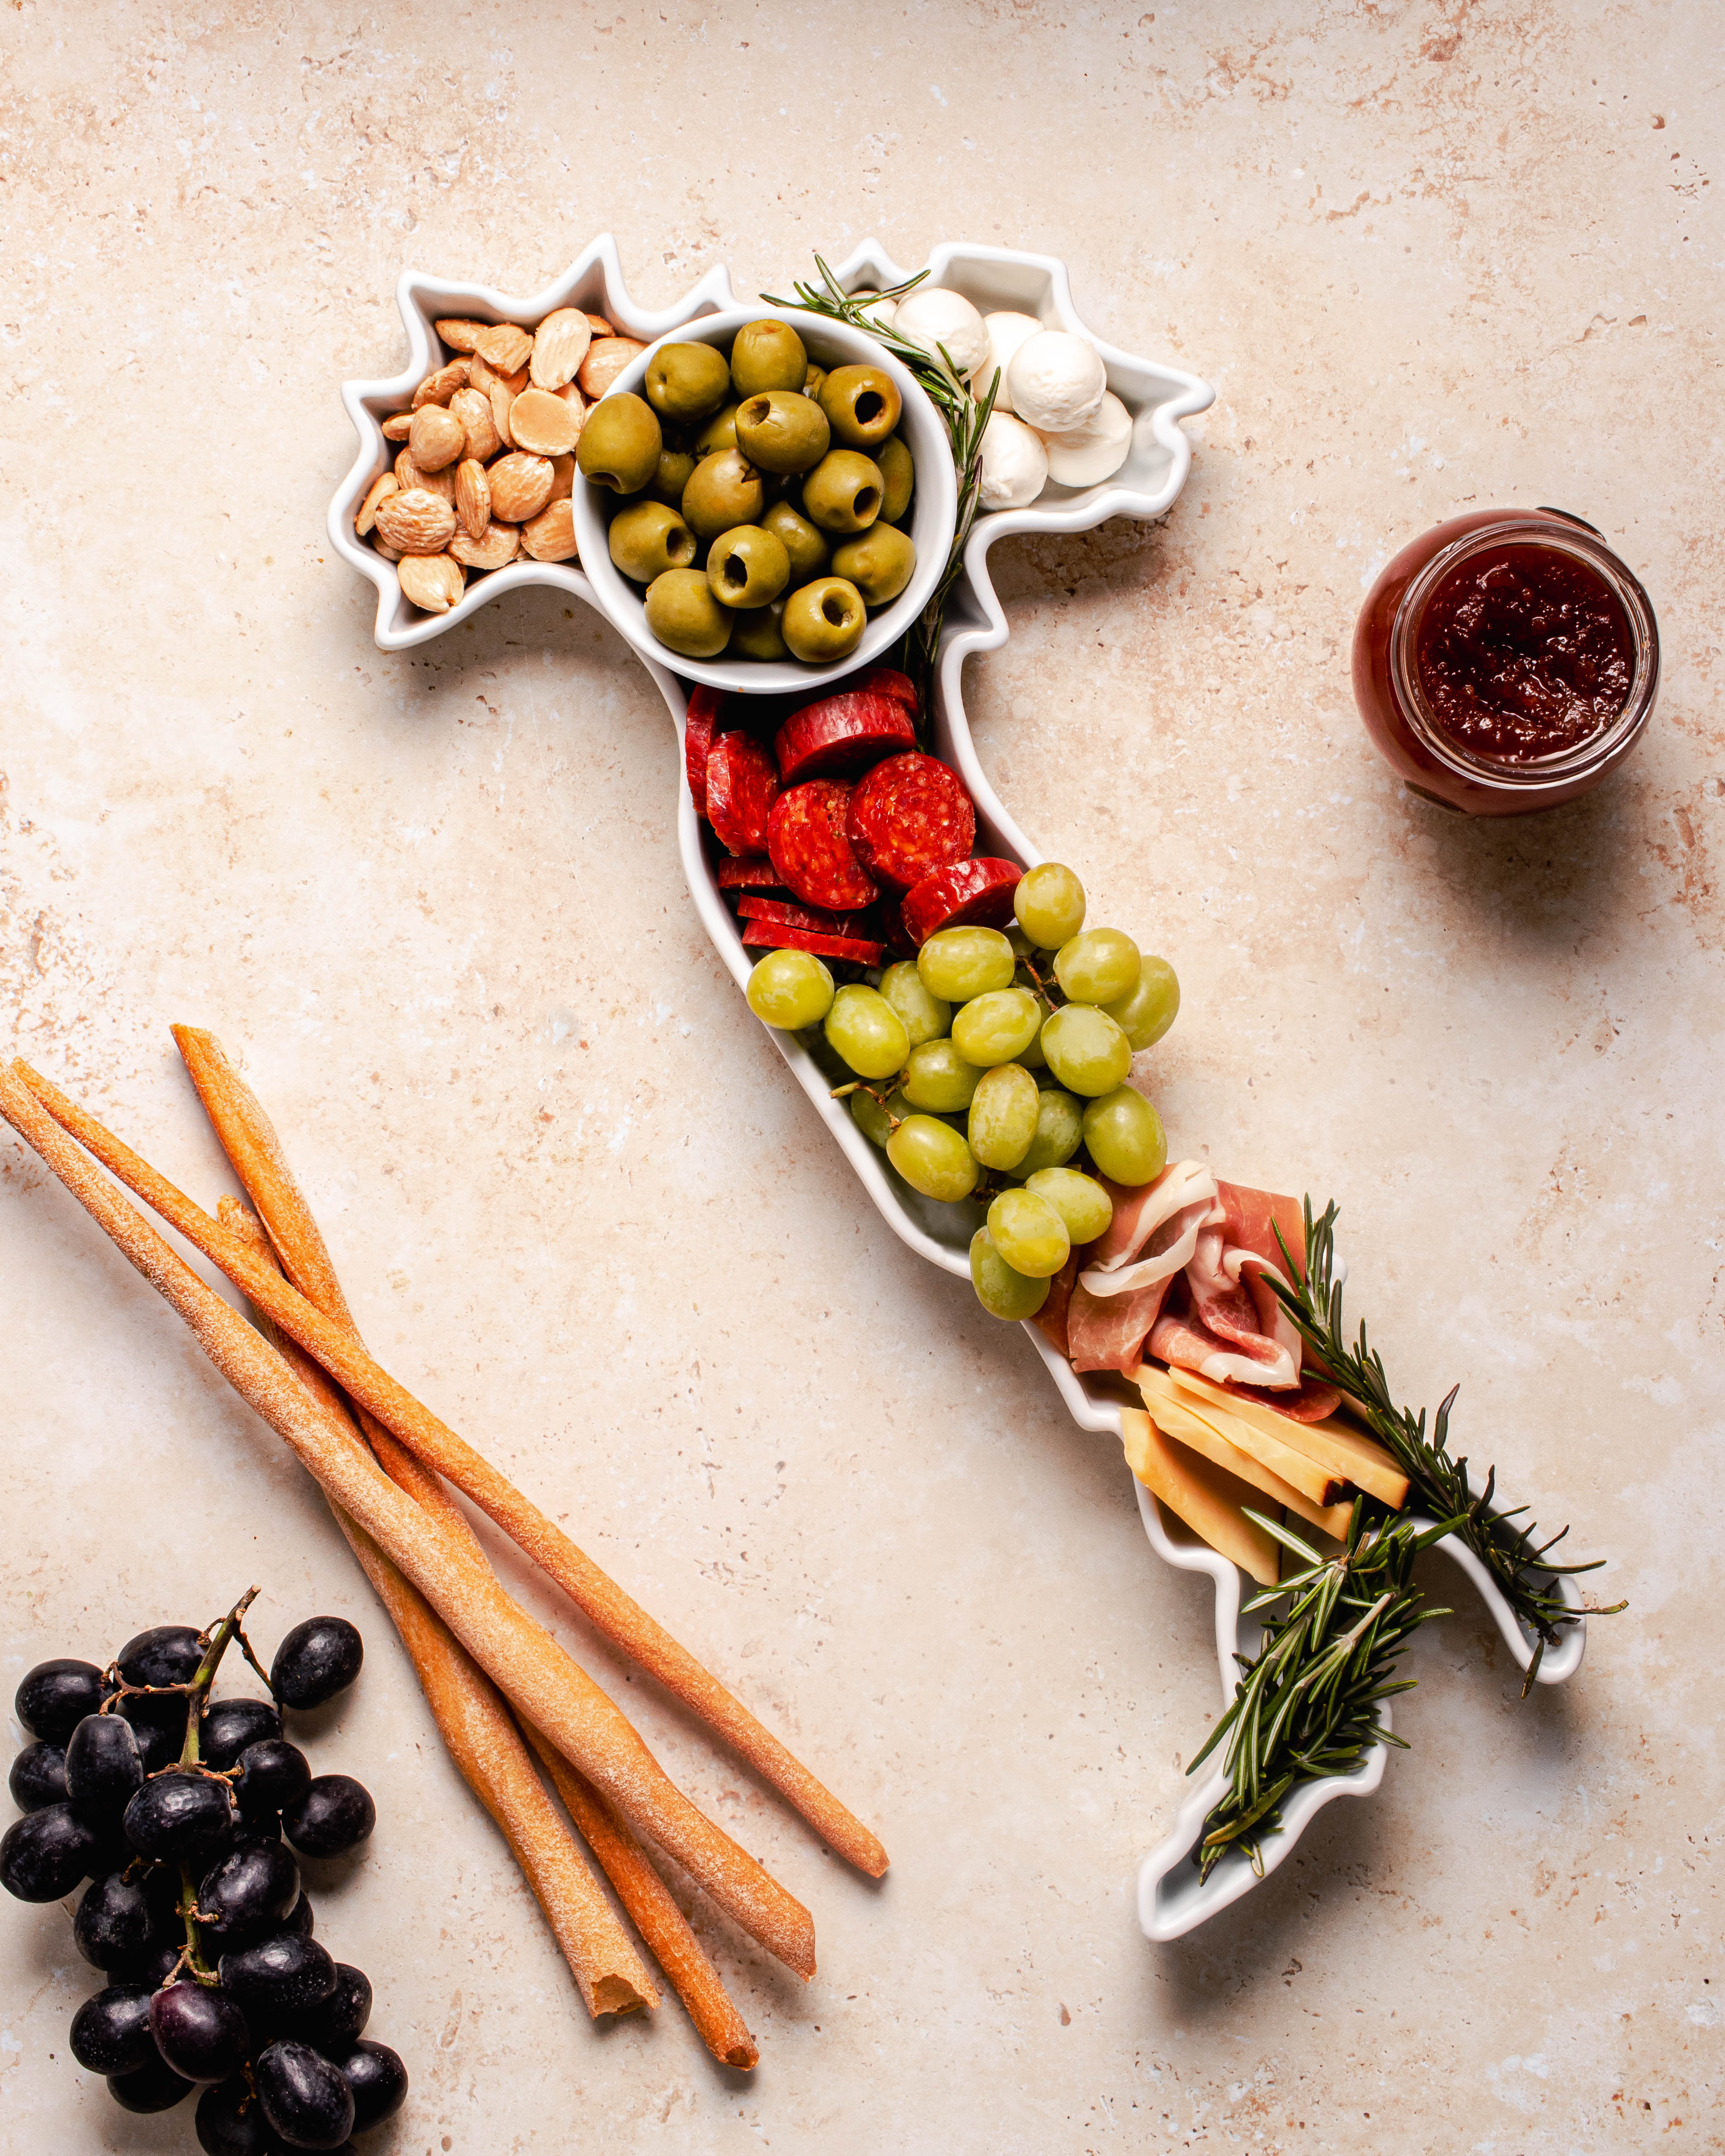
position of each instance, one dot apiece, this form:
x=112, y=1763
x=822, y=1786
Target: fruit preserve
x=1505, y=661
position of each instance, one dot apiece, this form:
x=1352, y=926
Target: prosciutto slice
x=1117, y=1296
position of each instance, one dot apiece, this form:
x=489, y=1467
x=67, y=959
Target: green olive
x=862, y=404
x=805, y=542
x=782, y=432
x=842, y=494
x=723, y=491
x=899, y=474
x=825, y=620
x=620, y=443
x=686, y=381
x=767, y=354
x=675, y=469
x=747, y=567
x=812, y=380
x=756, y=635
x=647, y=538
x=880, y=562
x=720, y=433
x=684, y=616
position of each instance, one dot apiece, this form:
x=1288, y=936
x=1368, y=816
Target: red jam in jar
x=1505, y=661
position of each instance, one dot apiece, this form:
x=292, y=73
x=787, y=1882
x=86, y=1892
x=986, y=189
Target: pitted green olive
x=879, y=561
x=748, y=568
x=899, y=476
x=862, y=404
x=723, y=491
x=686, y=382
x=758, y=634
x=648, y=538
x=812, y=380
x=767, y=354
x=720, y=433
x=842, y=494
x=825, y=620
x=805, y=543
x=684, y=616
x=620, y=443
x=782, y=432
x=676, y=467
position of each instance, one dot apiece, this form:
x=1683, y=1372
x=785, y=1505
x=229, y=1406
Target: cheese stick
x=1333, y=1445
x=1170, y=1408
x=1193, y=1431
x=1210, y=1501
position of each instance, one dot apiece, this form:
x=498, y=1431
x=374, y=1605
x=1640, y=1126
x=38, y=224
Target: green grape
x=938, y=1078
x=1146, y=1012
x=932, y=1159
x=1059, y=1132
x=959, y=963
x=872, y=1120
x=926, y=1017
x=1022, y=945
x=1004, y=1113
x=1080, y=1201
x=1085, y=1050
x=1098, y=966
x=1048, y=901
x=1029, y=1234
x=1001, y=1291
x=1124, y=1136
x=865, y=1029
x=997, y=1027
x=790, y=988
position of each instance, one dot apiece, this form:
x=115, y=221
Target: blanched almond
x=395, y=427
x=437, y=438
x=479, y=376
x=500, y=402
x=473, y=497
x=417, y=522
x=409, y=475
x=499, y=543
x=550, y=537
x=543, y=422
x=599, y=326
x=459, y=335
x=380, y=489
x=517, y=382
x=560, y=345
x=439, y=388
x=577, y=403
x=606, y=359
x=388, y=553
x=520, y=487
x=432, y=582
x=474, y=413
x=502, y=346
x=563, y=479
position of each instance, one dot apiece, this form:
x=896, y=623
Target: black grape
x=229, y=1725
x=273, y=1775
x=248, y=1893
x=44, y=1854
x=317, y=1660
x=280, y=1976
x=38, y=1777
x=379, y=2082
x=335, y=1814
x=152, y=2087
x=115, y=1922
x=55, y=1696
x=305, y=2098
x=104, y=1768
x=110, y=2033
x=201, y=2032
x=336, y=2023
x=185, y=1817
x=230, y=2122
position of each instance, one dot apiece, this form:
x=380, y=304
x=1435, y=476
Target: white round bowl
x=934, y=515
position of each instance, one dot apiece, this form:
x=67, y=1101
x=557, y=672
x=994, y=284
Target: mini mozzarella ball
x=936, y=316
x=1056, y=381
x=1015, y=463
x=1096, y=450
x=1006, y=333
x=881, y=312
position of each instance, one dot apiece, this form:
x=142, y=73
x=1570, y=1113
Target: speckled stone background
x=1431, y=256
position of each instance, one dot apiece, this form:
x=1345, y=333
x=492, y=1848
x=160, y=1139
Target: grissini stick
x=521, y=1659
x=481, y=1735
x=616, y=1614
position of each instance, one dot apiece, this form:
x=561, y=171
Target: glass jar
x=1409, y=713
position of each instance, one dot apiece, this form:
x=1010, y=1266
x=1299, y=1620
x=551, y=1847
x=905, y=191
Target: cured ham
x=1117, y=1296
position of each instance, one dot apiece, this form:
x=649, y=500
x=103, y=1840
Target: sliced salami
x=964, y=895
x=908, y=817
x=741, y=787
x=753, y=872
x=705, y=705
x=816, y=919
x=806, y=838
x=774, y=935
x=842, y=735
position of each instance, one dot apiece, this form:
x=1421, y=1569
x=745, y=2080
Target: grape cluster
x=185, y=1814
x=993, y=1068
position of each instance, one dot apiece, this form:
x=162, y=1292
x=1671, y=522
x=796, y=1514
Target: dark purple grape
x=201, y=2032
x=110, y=2033
x=279, y=1976
x=230, y=2122
x=38, y=1777
x=153, y=2086
x=336, y=2023
x=115, y=1922
x=273, y=1775
x=229, y=1725
x=300, y=1918
x=317, y=1660
x=159, y=1964
x=305, y=2097
x=44, y=1854
x=262, y=1830
x=165, y=1654
x=185, y=1817
x=379, y=2082
x=335, y=1814
x=104, y=1768
x=248, y=1893
x=55, y=1696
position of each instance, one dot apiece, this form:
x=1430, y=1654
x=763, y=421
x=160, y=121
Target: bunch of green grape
x=994, y=1067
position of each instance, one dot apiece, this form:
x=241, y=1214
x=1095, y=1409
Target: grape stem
x=215, y=1644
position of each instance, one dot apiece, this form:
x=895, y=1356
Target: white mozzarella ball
x=1086, y=456
x=1056, y=381
x=1015, y=463
x=1006, y=333
x=931, y=315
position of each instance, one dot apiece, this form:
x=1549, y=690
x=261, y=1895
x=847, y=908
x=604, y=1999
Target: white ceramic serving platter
x=1171, y=1900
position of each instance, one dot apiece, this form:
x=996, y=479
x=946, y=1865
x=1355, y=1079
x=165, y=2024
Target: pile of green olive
x=758, y=498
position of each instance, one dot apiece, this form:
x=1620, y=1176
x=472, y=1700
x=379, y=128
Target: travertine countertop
x=1431, y=256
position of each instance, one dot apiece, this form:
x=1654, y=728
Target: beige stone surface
x=1430, y=255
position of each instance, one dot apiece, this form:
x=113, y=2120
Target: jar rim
x=1557, y=532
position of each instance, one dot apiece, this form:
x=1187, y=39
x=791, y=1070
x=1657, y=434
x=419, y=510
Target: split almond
x=472, y=498
x=502, y=346
x=397, y=426
x=474, y=413
x=517, y=382
x=380, y=489
x=543, y=422
x=563, y=479
x=497, y=544
x=409, y=475
x=575, y=402
x=606, y=359
x=439, y=388
x=416, y=521
x=599, y=326
x=560, y=345
x=460, y=335
x=433, y=582
x=520, y=487
x=550, y=537
x=436, y=438
x=500, y=402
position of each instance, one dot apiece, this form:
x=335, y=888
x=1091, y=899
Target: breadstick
x=523, y=1660
x=616, y=1614
x=481, y=1737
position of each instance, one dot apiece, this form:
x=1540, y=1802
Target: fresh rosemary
x=964, y=416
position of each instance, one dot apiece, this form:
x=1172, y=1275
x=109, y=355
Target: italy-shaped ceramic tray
x=1171, y=1898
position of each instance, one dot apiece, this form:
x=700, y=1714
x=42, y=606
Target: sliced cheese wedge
x=1334, y=1445
x=1198, y=1436
x=1210, y=1501
x=1177, y=1412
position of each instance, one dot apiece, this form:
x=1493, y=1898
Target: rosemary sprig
x=964, y=416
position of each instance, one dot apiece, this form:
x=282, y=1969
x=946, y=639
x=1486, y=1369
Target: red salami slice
x=754, y=872
x=965, y=895
x=842, y=735
x=908, y=817
x=774, y=935
x=741, y=787
x=816, y=919
x=705, y=705
x=806, y=838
